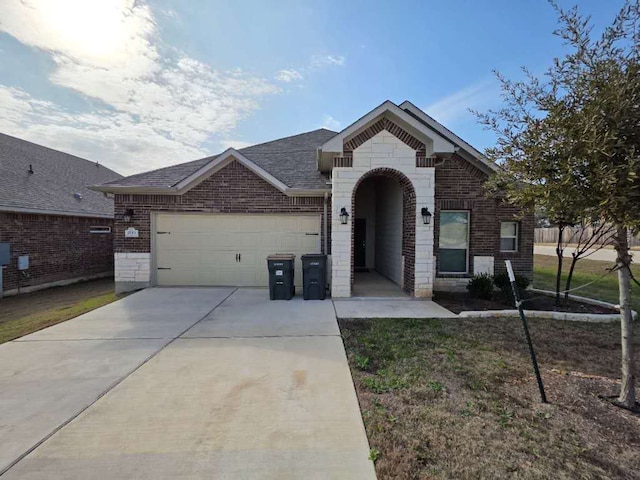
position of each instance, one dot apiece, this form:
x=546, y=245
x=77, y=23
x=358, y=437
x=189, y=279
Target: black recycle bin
x=281, y=275
x=314, y=276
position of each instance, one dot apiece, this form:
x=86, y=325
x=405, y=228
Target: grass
x=457, y=399
x=29, y=313
x=606, y=288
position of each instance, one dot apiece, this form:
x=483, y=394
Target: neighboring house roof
x=288, y=163
x=56, y=179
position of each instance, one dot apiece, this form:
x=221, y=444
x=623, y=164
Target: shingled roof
x=55, y=183
x=292, y=160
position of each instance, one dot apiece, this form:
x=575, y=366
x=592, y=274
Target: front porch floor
x=373, y=284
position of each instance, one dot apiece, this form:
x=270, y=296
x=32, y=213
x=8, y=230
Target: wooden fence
x=550, y=235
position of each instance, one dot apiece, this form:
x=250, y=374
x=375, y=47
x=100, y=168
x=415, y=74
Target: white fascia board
x=444, y=131
x=221, y=161
x=440, y=143
x=64, y=213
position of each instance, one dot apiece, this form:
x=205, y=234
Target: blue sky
x=141, y=84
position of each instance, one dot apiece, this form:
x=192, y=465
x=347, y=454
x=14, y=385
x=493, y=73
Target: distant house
x=395, y=199
x=57, y=230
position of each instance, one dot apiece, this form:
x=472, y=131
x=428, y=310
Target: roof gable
x=472, y=154
x=434, y=142
x=288, y=163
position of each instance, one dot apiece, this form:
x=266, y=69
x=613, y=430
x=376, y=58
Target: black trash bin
x=281, y=276
x=314, y=276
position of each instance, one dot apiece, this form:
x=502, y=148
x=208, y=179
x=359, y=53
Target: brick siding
x=459, y=186
x=233, y=189
x=59, y=248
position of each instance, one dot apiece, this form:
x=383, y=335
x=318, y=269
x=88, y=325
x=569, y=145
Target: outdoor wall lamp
x=426, y=216
x=344, y=216
x=127, y=215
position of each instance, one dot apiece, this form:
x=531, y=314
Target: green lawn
x=457, y=399
x=544, y=277
x=27, y=313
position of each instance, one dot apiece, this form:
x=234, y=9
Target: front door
x=360, y=244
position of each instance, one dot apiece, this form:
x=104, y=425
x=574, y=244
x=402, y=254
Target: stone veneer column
x=383, y=150
x=132, y=271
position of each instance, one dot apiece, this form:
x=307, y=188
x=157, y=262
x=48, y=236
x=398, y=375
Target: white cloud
x=237, y=144
x=455, y=106
x=331, y=123
x=115, y=139
x=161, y=105
x=288, y=75
x=318, y=61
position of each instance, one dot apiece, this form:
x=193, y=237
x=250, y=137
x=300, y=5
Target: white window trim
x=468, y=212
x=515, y=237
x=98, y=229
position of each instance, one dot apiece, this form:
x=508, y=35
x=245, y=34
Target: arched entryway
x=383, y=234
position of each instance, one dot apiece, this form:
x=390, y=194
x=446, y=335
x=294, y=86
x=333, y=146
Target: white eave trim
x=444, y=131
x=214, y=165
x=37, y=211
x=441, y=144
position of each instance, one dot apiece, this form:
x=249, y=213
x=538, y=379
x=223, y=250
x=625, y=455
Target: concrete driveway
x=184, y=383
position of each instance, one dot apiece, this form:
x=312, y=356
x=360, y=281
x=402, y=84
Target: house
x=410, y=192
x=53, y=227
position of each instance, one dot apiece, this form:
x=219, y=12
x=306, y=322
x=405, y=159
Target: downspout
x=324, y=225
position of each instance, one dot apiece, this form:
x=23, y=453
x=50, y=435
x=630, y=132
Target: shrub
x=502, y=282
x=481, y=286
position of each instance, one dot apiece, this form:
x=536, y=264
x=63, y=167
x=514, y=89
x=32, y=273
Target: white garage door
x=202, y=249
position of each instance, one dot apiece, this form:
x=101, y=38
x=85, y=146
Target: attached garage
x=227, y=249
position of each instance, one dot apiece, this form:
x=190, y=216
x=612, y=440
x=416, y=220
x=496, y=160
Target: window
x=509, y=237
x=454, y=241
x=100, y=230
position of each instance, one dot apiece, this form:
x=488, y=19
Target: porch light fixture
x=426, y=216
x=127, y=215
x=344, y=216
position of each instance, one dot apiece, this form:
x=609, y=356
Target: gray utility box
x=314, y=276
x=281, y=276
x=5, y=253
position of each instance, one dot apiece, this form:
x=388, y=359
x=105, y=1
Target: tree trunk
x=559, y=253
x=627, y=390
x=567, y=286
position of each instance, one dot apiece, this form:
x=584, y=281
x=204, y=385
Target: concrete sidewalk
x=390, y=308
x=255, y=389
x=602, y=255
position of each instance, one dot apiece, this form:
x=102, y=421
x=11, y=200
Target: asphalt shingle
x=55, y=180
x=292, y=160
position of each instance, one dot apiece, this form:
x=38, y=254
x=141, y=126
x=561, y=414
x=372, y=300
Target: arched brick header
x=375, y=128
x=408, y=222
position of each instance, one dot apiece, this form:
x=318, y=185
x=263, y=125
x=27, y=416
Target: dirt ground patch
x=460, y=302
x=29, y=312
x=457, y=399
x=22, y=305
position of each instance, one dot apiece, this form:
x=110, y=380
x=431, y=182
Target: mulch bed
x=461, y=302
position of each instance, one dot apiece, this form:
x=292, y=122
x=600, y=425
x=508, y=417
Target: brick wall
x=233, y=189
x=59, y=248
x=459, y=186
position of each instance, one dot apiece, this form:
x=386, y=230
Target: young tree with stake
x=570, y=142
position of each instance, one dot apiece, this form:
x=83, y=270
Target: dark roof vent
x=78, y=195
x=30, y=168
